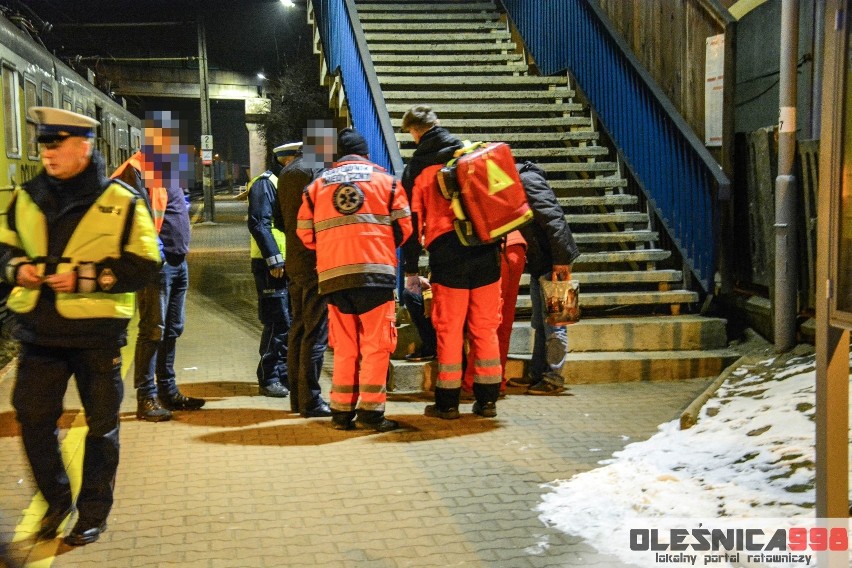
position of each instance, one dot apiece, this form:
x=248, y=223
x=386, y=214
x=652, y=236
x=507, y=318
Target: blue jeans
x=551, y=343
x=162, y=311
x=414, y=305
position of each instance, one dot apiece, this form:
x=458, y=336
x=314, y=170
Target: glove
x=412, y=284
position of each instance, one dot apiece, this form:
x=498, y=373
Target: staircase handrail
x=345, y=51
x=657, y=144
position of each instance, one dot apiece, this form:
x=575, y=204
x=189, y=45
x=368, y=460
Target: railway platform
x=243, y=482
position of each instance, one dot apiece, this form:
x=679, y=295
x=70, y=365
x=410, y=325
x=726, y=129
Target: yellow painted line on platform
x=72, y=447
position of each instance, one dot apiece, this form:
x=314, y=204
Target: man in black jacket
x=308, y=338
x=550, y=251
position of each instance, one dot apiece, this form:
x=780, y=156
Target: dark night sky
x=247, y=36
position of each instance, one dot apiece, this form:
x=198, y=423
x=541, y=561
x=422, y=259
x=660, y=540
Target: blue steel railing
x=346, y=52
x=679, y=177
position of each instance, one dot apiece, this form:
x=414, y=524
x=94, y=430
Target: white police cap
x=57, y=124
x=290, y=149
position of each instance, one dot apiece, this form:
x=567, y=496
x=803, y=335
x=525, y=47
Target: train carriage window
x=46, y=96
x=11, y=121
x=67, y=103
x=79, y=109
x=30, y=100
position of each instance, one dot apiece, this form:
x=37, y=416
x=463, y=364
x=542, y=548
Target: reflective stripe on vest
x=357, y=237
x=97, y=236
x=158, y=196
x=279, y=237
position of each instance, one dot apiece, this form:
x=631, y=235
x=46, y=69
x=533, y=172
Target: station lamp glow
x=288, y=3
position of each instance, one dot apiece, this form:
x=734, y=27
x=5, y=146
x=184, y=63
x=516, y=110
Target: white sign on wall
x=714, y=84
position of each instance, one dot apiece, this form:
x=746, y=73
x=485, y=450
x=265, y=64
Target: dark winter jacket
x=451, y=263
x=63, y=204
x=301, y=261
x=549, y=239
x=436, y=147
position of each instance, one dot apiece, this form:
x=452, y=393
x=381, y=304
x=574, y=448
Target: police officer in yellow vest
x=76, y=246
x=265, y=225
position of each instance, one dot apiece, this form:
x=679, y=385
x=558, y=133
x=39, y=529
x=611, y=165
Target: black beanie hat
x=350, y=142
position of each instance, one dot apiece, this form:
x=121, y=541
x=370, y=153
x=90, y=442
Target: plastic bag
x=561, y=300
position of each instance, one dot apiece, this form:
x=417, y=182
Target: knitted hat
x=350, y=142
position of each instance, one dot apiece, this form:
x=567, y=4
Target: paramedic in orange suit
x=513, y=256
x=465, y=279
x=355, y=216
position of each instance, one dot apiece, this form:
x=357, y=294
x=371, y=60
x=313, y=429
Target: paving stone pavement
x=245, y=483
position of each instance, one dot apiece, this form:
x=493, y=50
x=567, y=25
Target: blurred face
x=64, y=159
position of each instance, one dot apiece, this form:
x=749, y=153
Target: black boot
x=486, y=393
x=446, y=404
x=342, y=420
x=375, y=420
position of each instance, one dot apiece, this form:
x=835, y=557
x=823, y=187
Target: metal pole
x=786, y=268
x=204, y=89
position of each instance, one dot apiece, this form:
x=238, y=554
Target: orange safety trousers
x=362, y=347
x=478, y=309
x=512, y=263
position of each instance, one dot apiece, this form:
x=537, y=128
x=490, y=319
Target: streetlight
x=288, y=3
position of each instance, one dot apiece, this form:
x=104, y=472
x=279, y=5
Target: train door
x=11, y=151
x=101, y=132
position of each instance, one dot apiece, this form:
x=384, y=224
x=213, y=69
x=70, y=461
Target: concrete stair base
x=607, y=350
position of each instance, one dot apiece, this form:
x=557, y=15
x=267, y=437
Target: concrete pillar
x=256, y=112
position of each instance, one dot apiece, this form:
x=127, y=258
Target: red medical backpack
x=485, y=193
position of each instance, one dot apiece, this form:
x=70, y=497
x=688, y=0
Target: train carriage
x=31, y=76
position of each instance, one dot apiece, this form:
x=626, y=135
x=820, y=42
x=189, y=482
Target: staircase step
x=659, y=333
x=619, y=277
x=599, y=201
x=431, y=7
x=446, y=48
x=442, y=109
x=521, y=81
x=627, y=366
x=411, y=39
x=416, y=28
x=456, y=67
x=639, y=255
x=392, y=16
x=469, y=124
x=415, y=96
x=601, y=182
x=418, y=59
x=619, y=237
x=603, y=218
x=631, y=298
x=538, y=154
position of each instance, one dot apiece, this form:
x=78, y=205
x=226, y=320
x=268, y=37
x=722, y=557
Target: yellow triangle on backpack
x=498, y=180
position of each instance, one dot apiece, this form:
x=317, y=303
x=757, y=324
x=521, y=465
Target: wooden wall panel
x=668, y=37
